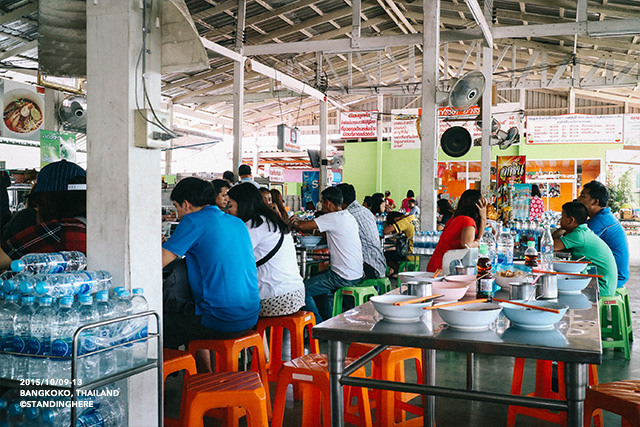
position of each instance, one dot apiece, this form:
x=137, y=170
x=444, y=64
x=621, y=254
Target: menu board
x=405, y=129
x=575, y=129
x=632, y=129
x=358, y=124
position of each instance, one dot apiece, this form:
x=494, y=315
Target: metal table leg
x=303, y=262
x=470, y=368
x=336, y=366
x=429, y=372
x=576, y=378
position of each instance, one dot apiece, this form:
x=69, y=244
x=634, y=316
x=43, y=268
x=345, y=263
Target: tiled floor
x=492, y=374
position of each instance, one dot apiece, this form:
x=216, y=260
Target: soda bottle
x=7, y=313
x=546, y=249
x=124, y=354
x=107, y=334
x=40, y=341
x=140, y=327
x=88, y=343
x=55, y=262
x=65, y=324
x=531, y=254
x=484, y=285
x=22, y=334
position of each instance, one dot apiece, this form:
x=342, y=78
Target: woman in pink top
x=537, y=205
x=462, y=230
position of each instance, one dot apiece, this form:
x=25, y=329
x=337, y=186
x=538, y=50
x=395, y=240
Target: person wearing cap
x=60, y=200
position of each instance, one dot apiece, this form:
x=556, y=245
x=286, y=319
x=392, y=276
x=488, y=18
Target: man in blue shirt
x=221, y=268
x=594, y=197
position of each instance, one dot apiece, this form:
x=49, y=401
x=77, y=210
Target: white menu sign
x=358, y=124
x=405, y=129
x=575, y=129
x=632, y=129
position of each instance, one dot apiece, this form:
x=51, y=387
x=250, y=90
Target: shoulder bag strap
x=270, y=255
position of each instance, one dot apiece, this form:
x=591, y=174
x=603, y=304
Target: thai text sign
x=511, y=170
x=632, y=129
x=575, y=129
x=358, y=124
x=405, y=129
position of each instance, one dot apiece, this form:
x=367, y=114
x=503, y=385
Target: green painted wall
x=400, y=169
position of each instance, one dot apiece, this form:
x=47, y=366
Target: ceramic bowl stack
x=452, y=291
x=309, y=241
x=470, y=317
x=466, y=279
x=400, y=314
x=571, y=284
x=530, y=318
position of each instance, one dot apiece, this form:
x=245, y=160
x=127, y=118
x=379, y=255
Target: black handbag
x=176, y=290
x=402, y=245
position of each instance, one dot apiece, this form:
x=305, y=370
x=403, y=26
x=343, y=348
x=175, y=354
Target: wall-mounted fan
x=465, y=92
x=337, y=161
x=72, y=113
x=502, y=139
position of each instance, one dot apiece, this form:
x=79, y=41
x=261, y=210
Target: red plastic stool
x=227, y=355
x=224, y=390
x=391, y=407
x=295, y=323
x=175, y=361
x=543, y=390
x=311, y=371
x=620, y=397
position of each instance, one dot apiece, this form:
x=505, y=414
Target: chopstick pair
x=416, y=300
x=451, y=304
x=573, y=262
x=567, y=274
x=535, y=307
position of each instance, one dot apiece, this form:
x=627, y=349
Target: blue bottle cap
x=9, y=285
x=26, y=287
x=3, y=294
x=45, y=300
x=31, y=413
x=124, y=294
x=15, y=409
x=102, y=296
x=48, y=416
x=66, y=300
x=118, y=289
x=12, y=297
x=138, y=291
x=17, y=265
x=42, y=288
x=85, y=299
x=28, y=299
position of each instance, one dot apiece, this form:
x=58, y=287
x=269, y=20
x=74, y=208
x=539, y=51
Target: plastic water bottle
x=32, y=417
x=22, y=334
x=7, y=314
x=140, y=327
x=110, y=413
x=55, y=262
x=40, y=341
x=88, y=366
x=57, y=417
x=490, y=240
x=27, y=283
x=124, y=354
x=107, y=334
x=7, y=275
x=505, y=248
x=546, y=250
x=12, y=283
x=65, y=324
x=16, y=414
x=66, y=284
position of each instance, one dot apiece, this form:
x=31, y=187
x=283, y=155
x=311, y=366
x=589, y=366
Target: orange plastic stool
x=391, y=407
x=174, y=361
x=227, y=354
x=542, y=389
x=224, y=390
x=620, y=397
x=311, y=371
x=295, y=323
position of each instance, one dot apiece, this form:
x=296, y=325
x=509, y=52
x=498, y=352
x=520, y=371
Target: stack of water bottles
x=424, y=243
x=100, y=407
x=380, y=221
x=47, y=297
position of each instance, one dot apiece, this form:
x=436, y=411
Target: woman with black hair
x=220, y=188
x=405, y=203
x=446, y=211
x=378, y=204
x=281, y=286
x=463, y=230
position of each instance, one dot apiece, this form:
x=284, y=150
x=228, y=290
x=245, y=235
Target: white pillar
x=123, y=198
x=379, y=143
x=324, y=119
x=485, y=156
x=429, y=126
x=238, y=89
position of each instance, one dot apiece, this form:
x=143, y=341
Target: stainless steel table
x=575, y=341
x=303, y=252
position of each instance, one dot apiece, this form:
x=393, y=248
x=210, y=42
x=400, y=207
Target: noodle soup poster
x=23, y=110
x=511, y=170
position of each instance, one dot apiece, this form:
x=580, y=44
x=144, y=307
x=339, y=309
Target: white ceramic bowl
x=572, y=284
x=529, y=318
x=569, y=267
x=452, y=291
x=470, y=317
x=504, y=282
x=401, y=314
x=309, y=241
x=460, y=278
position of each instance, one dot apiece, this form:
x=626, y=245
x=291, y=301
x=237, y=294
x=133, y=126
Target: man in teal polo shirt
x=582, y=242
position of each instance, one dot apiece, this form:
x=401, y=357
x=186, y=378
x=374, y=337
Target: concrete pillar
x=324, y=122
x=379, y=143
x=123, y=181
x=238, y=89
x=429, y=126
x=485, y=153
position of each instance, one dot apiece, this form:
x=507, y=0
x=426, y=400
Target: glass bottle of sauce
x=484, y=285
